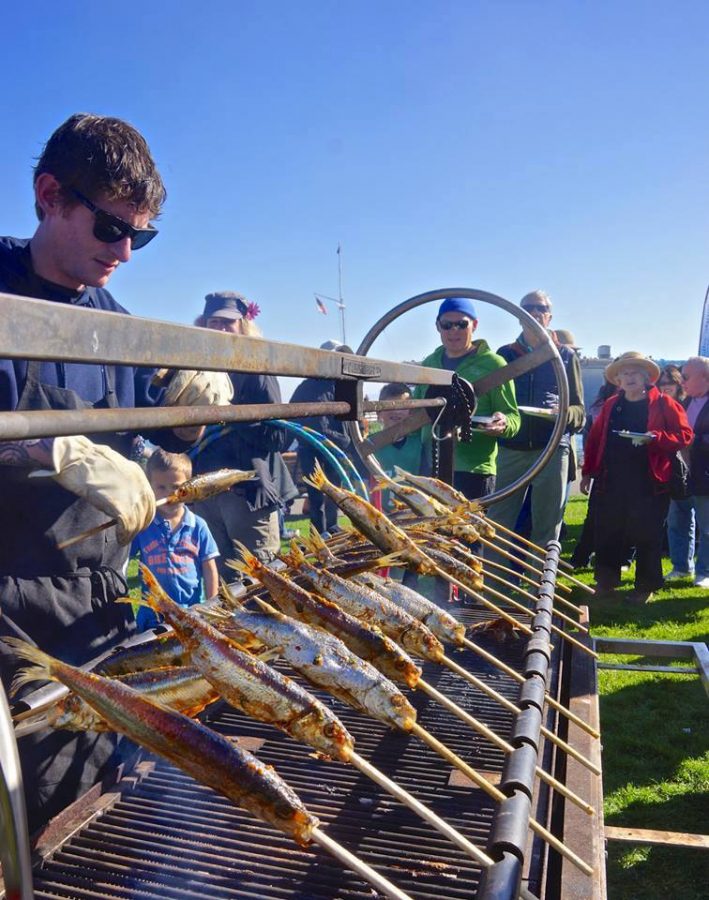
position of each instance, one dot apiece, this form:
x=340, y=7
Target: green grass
x=655, y=738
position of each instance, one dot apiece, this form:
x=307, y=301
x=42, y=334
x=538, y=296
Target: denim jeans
x=687, y=532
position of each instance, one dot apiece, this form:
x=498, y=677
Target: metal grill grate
x=167, y=836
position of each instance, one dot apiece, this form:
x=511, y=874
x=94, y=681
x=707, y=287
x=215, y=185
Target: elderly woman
x=248, y=512
x=629, y=455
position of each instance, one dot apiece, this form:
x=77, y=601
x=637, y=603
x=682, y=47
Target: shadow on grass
x=656, y=873
x=651, y=726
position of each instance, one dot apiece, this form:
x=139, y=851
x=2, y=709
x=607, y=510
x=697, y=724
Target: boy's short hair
x=393, y=390
x=162, y=461
x=102, y=156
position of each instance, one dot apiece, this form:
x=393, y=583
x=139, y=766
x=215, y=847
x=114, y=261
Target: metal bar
x=14, y=840
x=40, y=329
x=637, y=647
x=674, y=670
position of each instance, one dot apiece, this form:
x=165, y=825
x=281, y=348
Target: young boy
x=406, y=452
x=177, y=546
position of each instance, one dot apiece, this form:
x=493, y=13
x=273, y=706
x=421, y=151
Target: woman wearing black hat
x=249, y=511
x=629, y=457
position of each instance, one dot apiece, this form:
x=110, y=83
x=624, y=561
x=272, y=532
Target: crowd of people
x=97, y=193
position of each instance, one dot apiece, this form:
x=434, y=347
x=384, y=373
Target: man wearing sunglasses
x=96, y=190
x=517, y=454
x=460, y=352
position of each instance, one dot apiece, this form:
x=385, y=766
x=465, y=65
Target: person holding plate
x=629, y=457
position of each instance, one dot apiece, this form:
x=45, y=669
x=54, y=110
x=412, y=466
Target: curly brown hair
x=102, y=157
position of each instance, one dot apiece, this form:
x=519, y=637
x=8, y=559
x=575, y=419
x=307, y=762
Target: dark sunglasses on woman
x=109, y=229
x=460, y=325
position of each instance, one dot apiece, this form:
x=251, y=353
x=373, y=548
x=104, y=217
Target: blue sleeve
x=207, y=545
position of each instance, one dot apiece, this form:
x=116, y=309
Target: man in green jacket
x=471, y=359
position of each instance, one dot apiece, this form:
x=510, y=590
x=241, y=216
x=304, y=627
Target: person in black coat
x=323, y=512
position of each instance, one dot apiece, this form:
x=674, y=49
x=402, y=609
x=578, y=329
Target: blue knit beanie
x=457, y=304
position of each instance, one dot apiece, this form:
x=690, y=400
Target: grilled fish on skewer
x=367, y=643
x=198, y=488
x=372, y=522
x=444, y=493
x=158, y=653
x=203, y=754
x=414, y=499
x=248, y=683
x=365, y=604
x=181, y=688
x=324, y=660
x=441, y=623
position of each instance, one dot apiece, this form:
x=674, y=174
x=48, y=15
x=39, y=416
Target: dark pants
x=623, y=521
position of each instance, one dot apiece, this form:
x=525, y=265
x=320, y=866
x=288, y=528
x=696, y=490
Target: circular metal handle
x=370, y=460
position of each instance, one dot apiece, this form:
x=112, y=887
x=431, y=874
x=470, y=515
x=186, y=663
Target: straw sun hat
x=636, y=360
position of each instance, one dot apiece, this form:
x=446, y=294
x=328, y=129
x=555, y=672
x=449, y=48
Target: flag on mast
x=321, y=306
x=704, y=328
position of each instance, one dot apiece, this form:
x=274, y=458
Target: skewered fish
x=203, y=754
x=248, y=683
x=369, y=606
x=367, y=643
x=181, y=688
x=155, y=654
x=324, y=660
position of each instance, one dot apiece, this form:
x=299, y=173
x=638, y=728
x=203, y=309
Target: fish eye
x=283, y=811
x=332, y=729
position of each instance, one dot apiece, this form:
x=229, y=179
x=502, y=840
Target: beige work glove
x=188, y=387
x=106, y=480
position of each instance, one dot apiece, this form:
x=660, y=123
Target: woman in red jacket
x=629, y=453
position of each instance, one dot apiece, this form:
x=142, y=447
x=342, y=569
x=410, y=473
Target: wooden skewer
x=504, y=745
x=97, y=529
x=497, y=794
x=512, y=707
x=420, y=809
x=515, y=559
x=541, y=552
x=485, y=602
x=555, y=628
x=497, y=565
x=350, y=861
x=532, y=599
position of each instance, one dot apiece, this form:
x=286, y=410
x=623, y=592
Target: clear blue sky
x=503, y=145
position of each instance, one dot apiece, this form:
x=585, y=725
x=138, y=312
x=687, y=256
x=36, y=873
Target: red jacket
x=666, y=419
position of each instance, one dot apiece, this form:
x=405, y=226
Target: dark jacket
x=251, y=445
x=531, y=389
x=88, y=381
x=699, y=453
x=319, y=390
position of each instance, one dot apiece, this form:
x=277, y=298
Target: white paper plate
x=538, y=411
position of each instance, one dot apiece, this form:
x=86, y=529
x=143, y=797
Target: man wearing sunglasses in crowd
x=538, y=388
x=96, y=190
x=460, y=352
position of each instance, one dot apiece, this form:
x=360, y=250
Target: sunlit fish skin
x=445, y=493
x=181, y=688
x=414, y=499
x=208, y=484
x=457, y=569
x=441, y=623
x=326, y=662
x=367, y=643
x=250, y=684
x=380, y=530
x=369, y=606
x=451, y=546
x=161, y=651
x=208, y=757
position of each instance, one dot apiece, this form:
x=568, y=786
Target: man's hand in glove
x=106, y=480
x=188, y=387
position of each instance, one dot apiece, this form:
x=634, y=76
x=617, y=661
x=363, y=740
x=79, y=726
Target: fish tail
x=317, y=478
x=381, y=482
x=399, y=474
x=248, y=564
x=226, y=596
x=296, y=557
x=155, y=597
x=42, y=670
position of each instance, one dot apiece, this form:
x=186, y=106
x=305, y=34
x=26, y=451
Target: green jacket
x=480, y=454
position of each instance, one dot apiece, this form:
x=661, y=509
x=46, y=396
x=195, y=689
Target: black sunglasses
x=461, y=325
x=537, y=307
x=109, y=229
